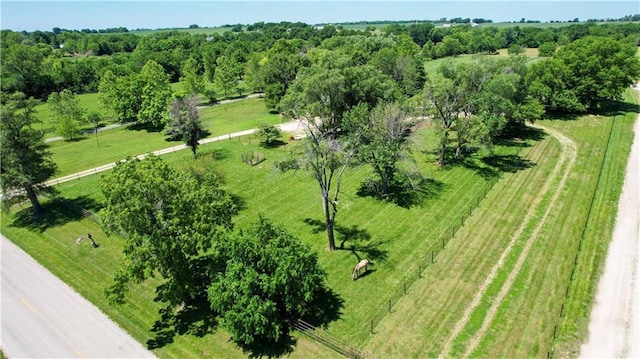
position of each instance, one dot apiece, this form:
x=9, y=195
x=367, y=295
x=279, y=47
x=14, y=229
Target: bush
x=547, y=49
x=515, y=49
x=268, y=133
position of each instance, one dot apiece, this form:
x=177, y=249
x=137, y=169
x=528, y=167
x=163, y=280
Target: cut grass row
x=524, y=323
x=386, y=233
x=390, y=235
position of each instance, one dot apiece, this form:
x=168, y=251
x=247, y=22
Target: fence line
x=81, y=211
x=551, y=352
x=329, y=341
x=430, y=255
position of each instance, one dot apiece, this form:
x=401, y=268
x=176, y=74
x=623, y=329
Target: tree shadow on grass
x=609, y=109
x=55, y=212
x=508, y=163
x=326, y=308
x=177, y=138
x=273, y=144
x=406, y=191
x=353, y=239
x=264, y=348
x=194, y=319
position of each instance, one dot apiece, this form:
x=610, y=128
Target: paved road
x=42, y=317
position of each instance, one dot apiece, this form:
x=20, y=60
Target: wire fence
x=551, y=353
x=429, y=257
x=322, y=337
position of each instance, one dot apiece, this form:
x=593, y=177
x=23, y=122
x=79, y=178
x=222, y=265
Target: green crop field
x=464, y=303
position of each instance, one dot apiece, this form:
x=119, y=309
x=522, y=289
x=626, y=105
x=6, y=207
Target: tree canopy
x=270, y=280
x=25, y=162
x=172, y=222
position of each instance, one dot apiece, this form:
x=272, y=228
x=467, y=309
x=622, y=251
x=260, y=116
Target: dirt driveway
x=614, y=327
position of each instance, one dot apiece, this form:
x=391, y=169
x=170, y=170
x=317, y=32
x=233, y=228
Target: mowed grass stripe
x=566, y=166
x=441, y=285
x=476, y=311
x=556, y=246
x=515, y=219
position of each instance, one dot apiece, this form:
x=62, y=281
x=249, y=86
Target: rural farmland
x=476, y=169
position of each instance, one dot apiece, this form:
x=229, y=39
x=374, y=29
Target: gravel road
x=614, y=327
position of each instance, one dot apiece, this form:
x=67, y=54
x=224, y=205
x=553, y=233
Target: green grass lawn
x=394, y=237
x=382, y=231
x=113, y=145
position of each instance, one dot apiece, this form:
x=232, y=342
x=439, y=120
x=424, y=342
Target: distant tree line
x=41, y=62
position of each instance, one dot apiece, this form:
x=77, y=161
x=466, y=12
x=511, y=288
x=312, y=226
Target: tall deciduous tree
x=25, y=163
x=144, y=97
x=155, y=94
x=193, y=82
x=66, y=113
x=226, y=77
x=184, y=121
x=444, y=101
x=383, y=141
x=270, y=280
x=280, y=69
x=120, y=96
x=326, y=157
x=171, y=221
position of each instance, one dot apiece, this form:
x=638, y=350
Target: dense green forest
x=41, y=62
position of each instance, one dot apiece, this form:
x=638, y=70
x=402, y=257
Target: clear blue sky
x=44, y=15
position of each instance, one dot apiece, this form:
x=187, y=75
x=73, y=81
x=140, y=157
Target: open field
x=200, y=30
x=534, y=205
x=431, y=66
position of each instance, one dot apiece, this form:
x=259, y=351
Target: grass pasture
x=525, y=206
x=519, y=208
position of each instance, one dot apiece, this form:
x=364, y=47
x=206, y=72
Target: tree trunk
x=328, y=222
x=443, y=149
x=33, y=197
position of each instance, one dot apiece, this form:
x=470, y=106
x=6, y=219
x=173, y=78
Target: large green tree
x=119, y=96
x=25, y=163
x=155, y=94
x=269, y=281
x=143, y=97
x=66, y=113
x=172, y=222
x=280, y=69
x=193, y=81
x=226, y=77
x=601, y=68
